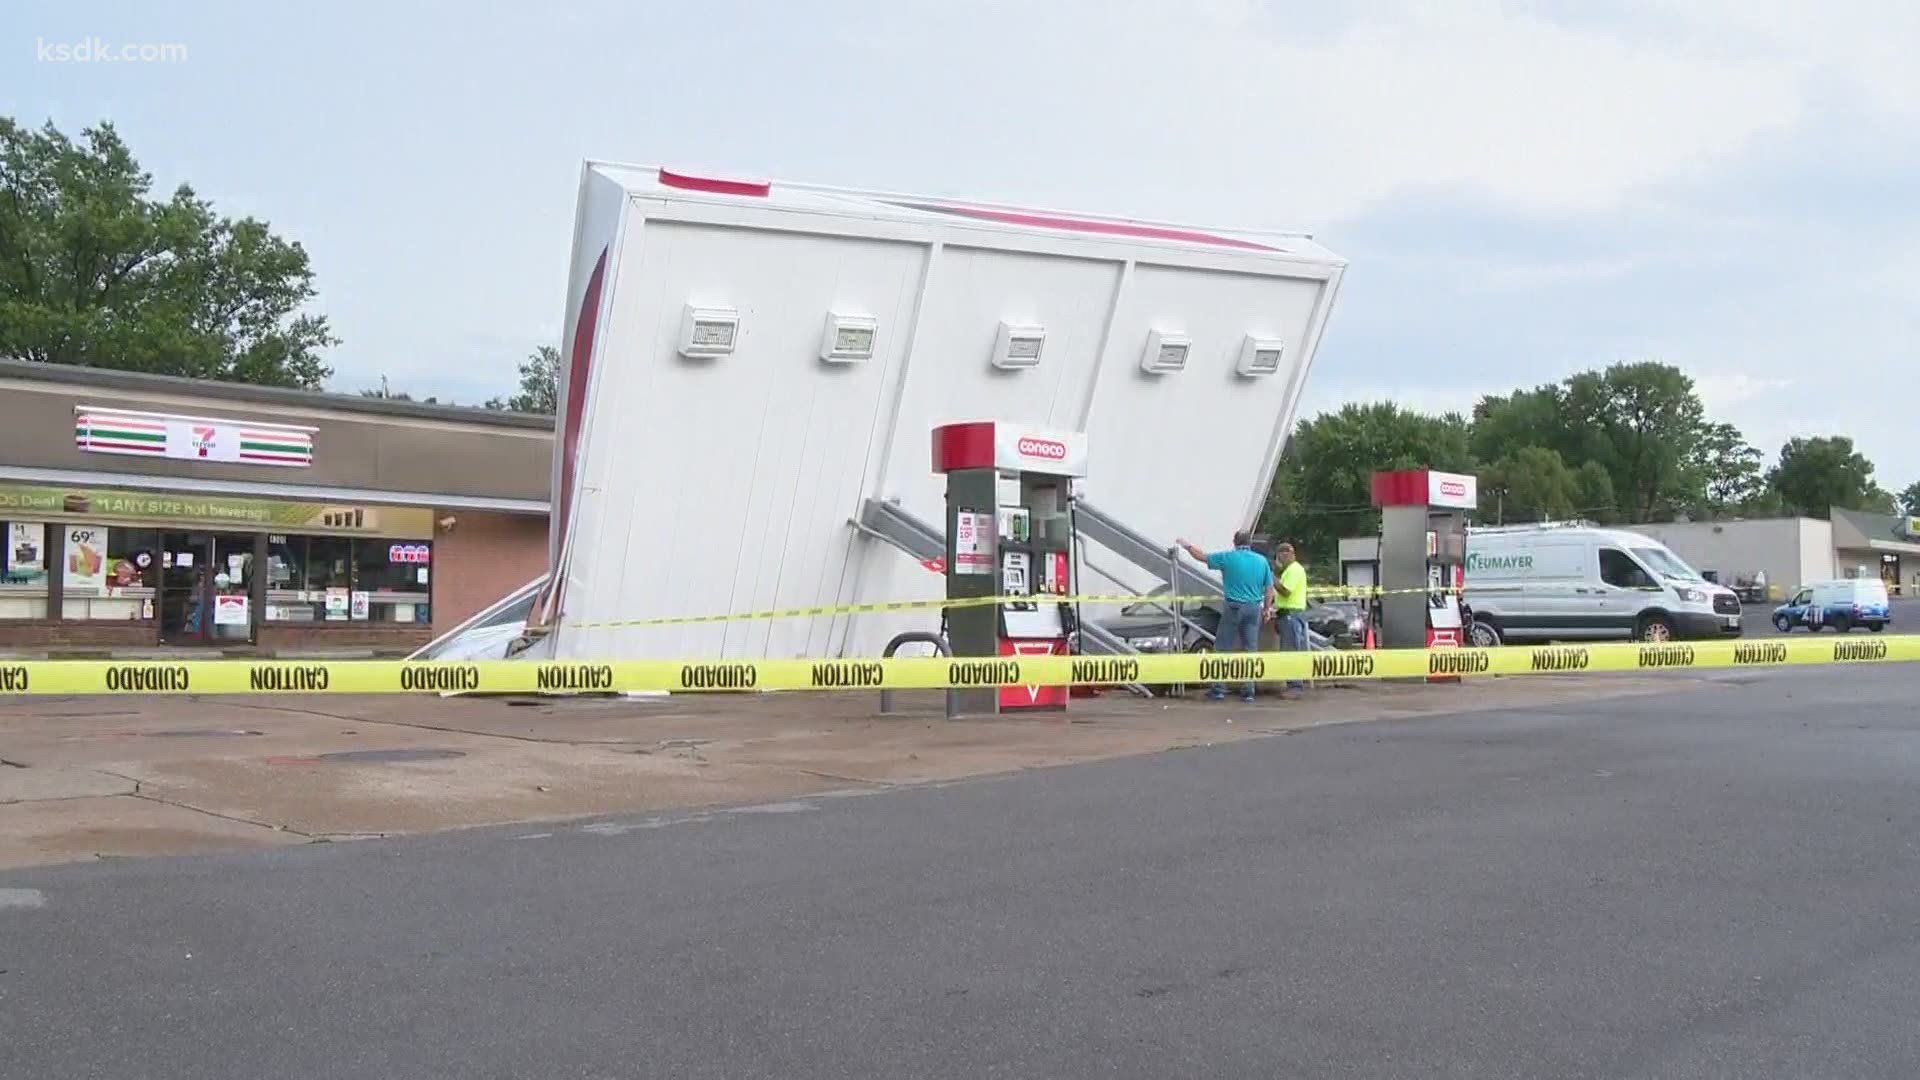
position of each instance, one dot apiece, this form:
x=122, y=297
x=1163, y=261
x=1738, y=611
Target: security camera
x=447, y=523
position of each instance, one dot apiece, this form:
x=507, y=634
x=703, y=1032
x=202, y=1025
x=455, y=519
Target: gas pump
x=1009, y=534
x=1423, y=556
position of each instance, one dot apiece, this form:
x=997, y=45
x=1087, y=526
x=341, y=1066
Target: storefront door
x=205, y=588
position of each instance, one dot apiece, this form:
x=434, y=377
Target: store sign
x=190, y=438
x=1910, y=528
x=26, y=549
x=96, y=504
x=86, y=570
x=1456, y=490
x=1042, y=450
x=231, y=611
x=409, y=553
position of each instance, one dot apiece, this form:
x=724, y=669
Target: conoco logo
x=1454, y=488
x=1043, y=448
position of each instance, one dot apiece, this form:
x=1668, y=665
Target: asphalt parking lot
x=1708, y=883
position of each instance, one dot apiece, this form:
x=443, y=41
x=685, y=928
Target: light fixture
x=1165, y=353
x=707, y=331
x=1018, y=346
x=848, y=339
x=1260, y=356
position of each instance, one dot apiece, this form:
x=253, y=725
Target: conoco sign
x=1025, y=449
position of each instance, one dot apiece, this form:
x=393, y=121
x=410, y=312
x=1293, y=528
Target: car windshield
x=1667, y=564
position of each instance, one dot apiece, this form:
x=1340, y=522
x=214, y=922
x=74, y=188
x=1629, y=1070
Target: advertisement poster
x=86, y=560
x=338, y=601
x=972, y=540
x=217, y=511
x=361, y=606
x=26, y=550
x=231, y=611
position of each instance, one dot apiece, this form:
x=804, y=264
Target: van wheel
x=1876, y=627
x=1783, y=624
x=1654, y=628
x=1483, y=635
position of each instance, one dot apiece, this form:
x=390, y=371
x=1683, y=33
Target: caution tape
x=1336, y=591
x=68, y=677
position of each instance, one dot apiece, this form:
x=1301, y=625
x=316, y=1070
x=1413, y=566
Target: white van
x=1579, y=582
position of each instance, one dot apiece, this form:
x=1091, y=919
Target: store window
x=339, y=580
x=133, y=574
x=23, y=570
x=287, y=597
x=396, y=577
x=97, y=586
x=330, y=577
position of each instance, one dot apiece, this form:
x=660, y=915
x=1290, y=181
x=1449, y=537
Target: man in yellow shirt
x=1290, y=616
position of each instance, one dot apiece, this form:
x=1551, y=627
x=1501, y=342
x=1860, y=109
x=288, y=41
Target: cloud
x=1721, y=392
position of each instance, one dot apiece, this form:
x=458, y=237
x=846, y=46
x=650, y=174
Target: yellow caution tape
x=1336, y=591
x=920, y=673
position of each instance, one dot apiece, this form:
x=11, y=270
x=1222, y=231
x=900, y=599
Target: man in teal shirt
x=1247, y=579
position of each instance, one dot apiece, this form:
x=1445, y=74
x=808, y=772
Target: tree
x=1593, y=494
x=94, y=271
x=1728, y=471
x=1649, y=420
x=1530, y=484
x=1910, y=498
x=1323, y=489
x=539, y=384
x=1816, y=474
x=1641, y=423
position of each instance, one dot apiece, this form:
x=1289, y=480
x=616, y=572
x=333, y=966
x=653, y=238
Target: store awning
x=289, y=492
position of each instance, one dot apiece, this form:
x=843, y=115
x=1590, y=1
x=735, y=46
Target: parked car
x=1842, y=605
x=1148, y=627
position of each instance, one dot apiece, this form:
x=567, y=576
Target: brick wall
x=277, y=638
x=482, y=558
x=104, y=634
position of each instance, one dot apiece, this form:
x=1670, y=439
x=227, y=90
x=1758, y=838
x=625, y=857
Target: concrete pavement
x=101, y=777
x=1719, y=880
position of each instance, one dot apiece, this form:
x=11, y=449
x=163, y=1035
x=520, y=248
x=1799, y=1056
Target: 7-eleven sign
x=1014, y=698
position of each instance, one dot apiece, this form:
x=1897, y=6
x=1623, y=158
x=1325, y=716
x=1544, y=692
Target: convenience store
x=144, y=511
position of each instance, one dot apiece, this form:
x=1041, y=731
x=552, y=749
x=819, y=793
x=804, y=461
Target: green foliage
x=1814, y=475
x=1628, y=444
x=95, y=271
x=539, y=384
x=1728, y=475
x=1910, y=498
x=1323, y=490
x=1641, y=424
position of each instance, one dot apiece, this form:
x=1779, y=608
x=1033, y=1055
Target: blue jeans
x=1293, y=638
x=1239, y=632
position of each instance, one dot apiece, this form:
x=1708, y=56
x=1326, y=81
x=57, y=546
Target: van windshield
x=1668, y=564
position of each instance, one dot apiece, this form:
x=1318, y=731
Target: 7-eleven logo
x=203, y=439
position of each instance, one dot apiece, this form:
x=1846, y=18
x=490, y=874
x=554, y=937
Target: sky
x=1523, y=189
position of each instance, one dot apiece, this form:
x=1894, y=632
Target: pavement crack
x=445, y=729
x=223, y=817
